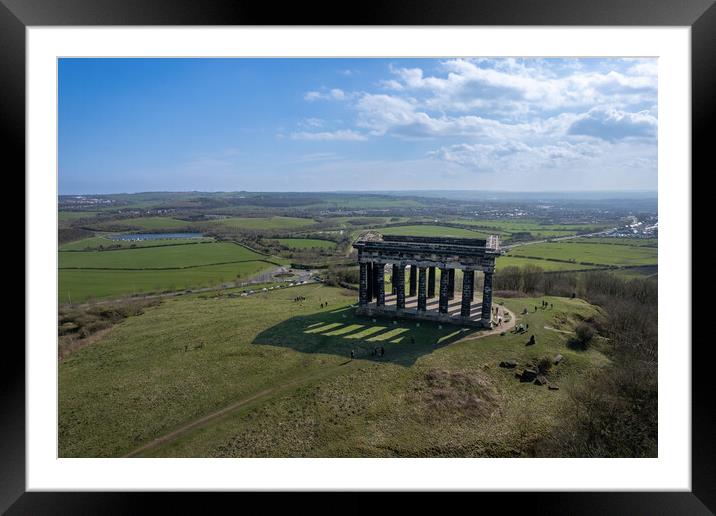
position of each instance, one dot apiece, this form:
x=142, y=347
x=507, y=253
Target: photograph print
x=359, y=257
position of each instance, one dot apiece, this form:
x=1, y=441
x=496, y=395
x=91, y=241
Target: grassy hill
x=280, y=370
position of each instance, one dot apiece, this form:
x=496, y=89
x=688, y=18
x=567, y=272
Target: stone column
x=422, y=301
x=380, y=284
x=468, y=282
x=363, y=291
x=400, y=287
x=393, y=276
x=486, y=315
x=377, y=271
x=443, y=304
x=472, y=285
x=431, y=282
x=369, y=276
x=413, y=280
x=451, y=283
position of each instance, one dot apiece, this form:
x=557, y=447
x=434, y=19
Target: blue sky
x=132, y=125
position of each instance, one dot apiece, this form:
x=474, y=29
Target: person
x=352, y=355
x=527, y=327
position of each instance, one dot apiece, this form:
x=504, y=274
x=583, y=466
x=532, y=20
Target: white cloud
x=333, y=94
x=509, y=116
x=612, y=124
x=341, y=135
x=517, y=156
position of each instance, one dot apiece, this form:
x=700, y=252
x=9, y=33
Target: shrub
x=544, y=364
x=585, y=333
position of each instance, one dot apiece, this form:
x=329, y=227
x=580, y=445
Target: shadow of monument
x=337, y=332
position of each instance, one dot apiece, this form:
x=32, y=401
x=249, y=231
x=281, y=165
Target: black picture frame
x=17, y=15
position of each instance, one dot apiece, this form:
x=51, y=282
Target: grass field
x=265, y=223
x=512, y=226
x=306, y=243
x=603, y=254
x=153, y=223
x=289, y=363
x=78, y=286
x=513, y=261
x=163, y=257
x=638, y=242
x=68, y=216
x=427, y=230
x=101, y=274
x=97, y=241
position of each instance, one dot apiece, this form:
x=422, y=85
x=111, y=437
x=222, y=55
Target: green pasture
x=306, y=243
x=432, y=231
x=285, y=368
x=637, y=242
x=79, y=286
x=69, y=216
x=97, y=241
x=602, y=254
x=265, y=223
x=547, y=265
x=512, y=226
x=152, y=223
x=163, y=257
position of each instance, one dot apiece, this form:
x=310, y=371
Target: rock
x=528, y=375
x=557, y=359
x=553, y=387
x=540, y=380
x=509, y=364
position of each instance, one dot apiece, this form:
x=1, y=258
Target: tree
x=532, y=277
x=508, y=278
x=585, y=333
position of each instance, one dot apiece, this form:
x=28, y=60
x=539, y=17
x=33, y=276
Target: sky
x=495, y=124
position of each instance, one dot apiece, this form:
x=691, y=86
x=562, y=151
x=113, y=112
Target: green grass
x=265, y=223
x=152, y=223
x=159, y=257
x=105, y=274
x=602, y=254
x=512, y=261
x=149, y=376
x=306, y=243
x=512, y=226
x=68, y=216
x=157, y=223
x=96, y=242
x=78, y=286
x=638, y=242
x=434, y=231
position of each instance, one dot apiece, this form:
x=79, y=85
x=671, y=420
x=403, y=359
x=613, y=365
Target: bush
x=544, y=364
x=585, y=333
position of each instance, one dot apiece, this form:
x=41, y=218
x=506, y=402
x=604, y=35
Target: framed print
x=414, y=249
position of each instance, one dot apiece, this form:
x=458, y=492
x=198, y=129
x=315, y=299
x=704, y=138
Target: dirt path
x=234, y=406
x=497, y=329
